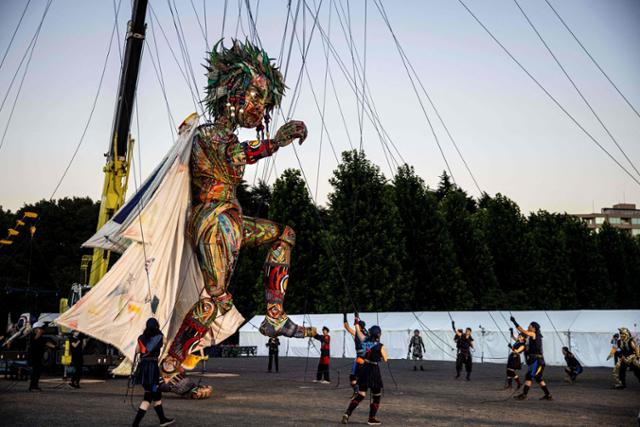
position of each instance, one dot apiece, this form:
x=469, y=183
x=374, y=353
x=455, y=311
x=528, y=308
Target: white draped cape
x=158, y=267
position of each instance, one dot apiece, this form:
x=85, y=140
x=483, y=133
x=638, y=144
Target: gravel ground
x=246, y=395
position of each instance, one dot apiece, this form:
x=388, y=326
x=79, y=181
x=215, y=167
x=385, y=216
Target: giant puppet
x=243, y=89
x=180, y=234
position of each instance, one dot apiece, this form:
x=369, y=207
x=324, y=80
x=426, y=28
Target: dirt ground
x=246, y=395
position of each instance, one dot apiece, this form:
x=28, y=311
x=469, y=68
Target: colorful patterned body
x=218, y=230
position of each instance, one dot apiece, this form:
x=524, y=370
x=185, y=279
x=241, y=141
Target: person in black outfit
x=369, y=376
x=273, y=345
x=464, y=344
x=535, y=359
x=574, y=368
x=147, y=372
x=418, y=347
x=514, y=362
x=322, y=375
x=37, y=344
x=77, y=359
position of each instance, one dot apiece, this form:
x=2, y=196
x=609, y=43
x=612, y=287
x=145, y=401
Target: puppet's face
x=624, y=334
x=250, y=110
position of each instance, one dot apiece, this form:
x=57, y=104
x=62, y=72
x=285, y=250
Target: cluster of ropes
x=302, y=25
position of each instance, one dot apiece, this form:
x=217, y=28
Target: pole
x=116, y=170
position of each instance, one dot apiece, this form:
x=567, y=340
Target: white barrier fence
x=586, y=332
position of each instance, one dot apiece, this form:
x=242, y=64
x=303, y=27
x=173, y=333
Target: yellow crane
x=116, y=170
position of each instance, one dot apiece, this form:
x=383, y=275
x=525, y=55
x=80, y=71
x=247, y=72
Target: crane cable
x=546, y=92
x=575, y=86
x=15, y=31
x=593, y=59
x=28, y=52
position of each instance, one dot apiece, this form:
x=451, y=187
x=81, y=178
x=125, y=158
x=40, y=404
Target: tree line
x=380, y=244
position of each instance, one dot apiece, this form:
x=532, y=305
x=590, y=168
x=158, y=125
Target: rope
x=555, y=101
x=177, y=24
x=575, y=86
x=422, y=106
x=140, y=208
x=93, y=108
x=29, y=52
x=352, y=81
x=15, y=31
x=593, y=59
x=426, y=93
x=224, y=19
x=324, y=103
x=173, y=55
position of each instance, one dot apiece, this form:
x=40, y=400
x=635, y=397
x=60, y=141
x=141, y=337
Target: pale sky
x=515, y=140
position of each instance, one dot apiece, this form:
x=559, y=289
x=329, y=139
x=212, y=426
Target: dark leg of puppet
x=258, y=232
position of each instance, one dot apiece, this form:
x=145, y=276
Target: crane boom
x=116, y=169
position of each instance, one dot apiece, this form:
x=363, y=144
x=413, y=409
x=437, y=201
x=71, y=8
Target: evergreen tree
x=589, y=273
x=364, y=246
x=621, y=258
x=546, y=266
x=472, y=253
x=431, y=276
x=503, y=228
x=36, y=271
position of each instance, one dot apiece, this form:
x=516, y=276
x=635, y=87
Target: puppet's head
x=624, y=334
x=243, y=84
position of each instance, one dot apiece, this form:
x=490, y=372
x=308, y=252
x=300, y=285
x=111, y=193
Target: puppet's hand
x=295, y=129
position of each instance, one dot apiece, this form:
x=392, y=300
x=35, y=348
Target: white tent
x=587, y=332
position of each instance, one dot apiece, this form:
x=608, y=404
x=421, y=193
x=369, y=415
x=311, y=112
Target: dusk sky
x=514, y=139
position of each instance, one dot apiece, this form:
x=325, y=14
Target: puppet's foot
x=284, y=327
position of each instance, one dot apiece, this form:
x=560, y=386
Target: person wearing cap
x=359, y=361
x=77, y=358
x=147, y=372
x=418, y=348
x=274, y=346
x=514, y=362
x=464, y=344
x=369, y=376
x=322, y=375
x=535, y=359
x=37, y=344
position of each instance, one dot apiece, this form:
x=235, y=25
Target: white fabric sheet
x=116, y=309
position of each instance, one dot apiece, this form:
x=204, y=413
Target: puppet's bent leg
x=218, y=239
x=276, y=275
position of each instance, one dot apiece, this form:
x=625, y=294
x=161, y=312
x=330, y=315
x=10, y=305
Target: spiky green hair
x=230, y=72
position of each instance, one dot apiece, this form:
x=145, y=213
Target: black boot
x=164, y=421
x=139, y=416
